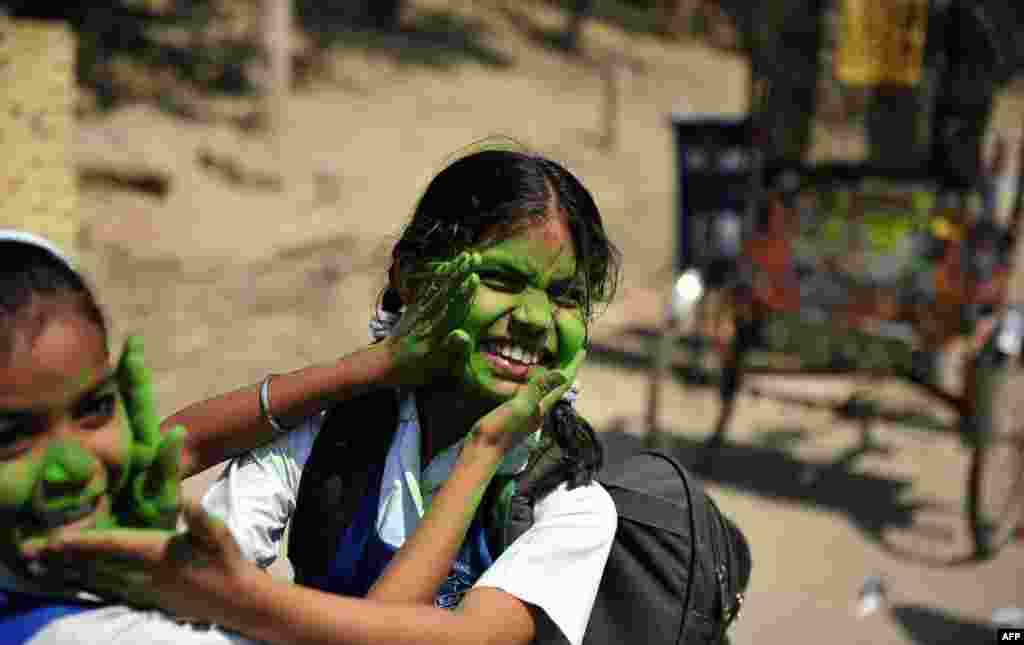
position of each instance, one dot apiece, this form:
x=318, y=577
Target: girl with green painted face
x=81, y=454
x=80, y=450
x=479, y=334
x=63, y=450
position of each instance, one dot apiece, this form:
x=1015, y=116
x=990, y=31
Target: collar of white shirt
x=406, y=488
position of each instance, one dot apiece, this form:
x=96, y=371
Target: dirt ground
x=229, y=281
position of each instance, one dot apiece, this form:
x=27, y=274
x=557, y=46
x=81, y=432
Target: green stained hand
x=195, y=574
x=521, y=415
x=155, y=492
x=151, y=497
x=136, y=383
x=428, y=340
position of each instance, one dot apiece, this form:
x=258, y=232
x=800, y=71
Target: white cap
x=31, y=239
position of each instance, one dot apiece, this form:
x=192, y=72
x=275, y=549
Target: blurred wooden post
x=275, y=34
x=661, y=363
x=613, y=73
x=38, y=190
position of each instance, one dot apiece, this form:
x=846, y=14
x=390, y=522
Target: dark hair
x=493, y=187
x=475, y=193
x=31, y=276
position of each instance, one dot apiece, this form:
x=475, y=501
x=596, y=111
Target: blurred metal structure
x=872, y=265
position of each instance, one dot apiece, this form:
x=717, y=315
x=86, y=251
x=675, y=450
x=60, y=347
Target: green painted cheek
x=572, y=335
x=17, y=481
x=67, y=462
x=478, y=372
x=478, y=376
x=69, y=467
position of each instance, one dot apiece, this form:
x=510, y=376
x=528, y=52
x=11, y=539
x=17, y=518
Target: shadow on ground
x=555, y=40
x=628, y=16
x=927, y=626
x=874, y=504
x=432, y=38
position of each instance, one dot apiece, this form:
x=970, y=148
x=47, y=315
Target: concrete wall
x=37, y=180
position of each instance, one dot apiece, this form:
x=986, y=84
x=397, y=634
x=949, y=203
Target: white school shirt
x=556, y=565
x=116, y=624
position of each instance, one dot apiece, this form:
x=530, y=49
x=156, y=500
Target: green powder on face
x=17, y=481
x=67, y=462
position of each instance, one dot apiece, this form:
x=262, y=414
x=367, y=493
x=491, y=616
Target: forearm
x=422, y=564
x=278, y=612
x=232, y=423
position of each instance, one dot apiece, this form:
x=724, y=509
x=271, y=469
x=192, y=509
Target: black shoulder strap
x=717, y=533
x=355, y=435
x=511, y=498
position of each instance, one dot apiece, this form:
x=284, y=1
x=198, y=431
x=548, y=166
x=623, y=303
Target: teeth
x=515, y=353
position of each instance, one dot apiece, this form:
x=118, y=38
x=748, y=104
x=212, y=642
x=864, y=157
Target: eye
x=96, y=410
x=568, y=296
x=501, y=281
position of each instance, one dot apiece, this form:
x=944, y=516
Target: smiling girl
x=480, y=331
x=79, y=450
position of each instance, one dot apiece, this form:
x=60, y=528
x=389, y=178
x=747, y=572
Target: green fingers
x=151, y=497
x=155, y=491
x=446, y=294
x=523, y=414
x=457, y=346
x=136, y=383
x=554, y=384
x=429, y=338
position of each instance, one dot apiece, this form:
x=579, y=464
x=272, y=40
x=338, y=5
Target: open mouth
x=514, y=360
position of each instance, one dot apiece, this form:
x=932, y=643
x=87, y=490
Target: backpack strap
x=716, y=531
x=509, y=513
x=511, y=497
x=335, y=479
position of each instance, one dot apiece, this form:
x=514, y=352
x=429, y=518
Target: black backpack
x=677, y=568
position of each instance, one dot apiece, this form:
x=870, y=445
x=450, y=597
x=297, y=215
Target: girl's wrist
x=382, y=358
x=250, y=606
x=491, y=441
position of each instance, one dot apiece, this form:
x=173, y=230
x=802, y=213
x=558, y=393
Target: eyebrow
x=501, y=264
x=10, y=416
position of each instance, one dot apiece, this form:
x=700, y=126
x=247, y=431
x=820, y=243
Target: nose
x=532, y=315
x=67, y=469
